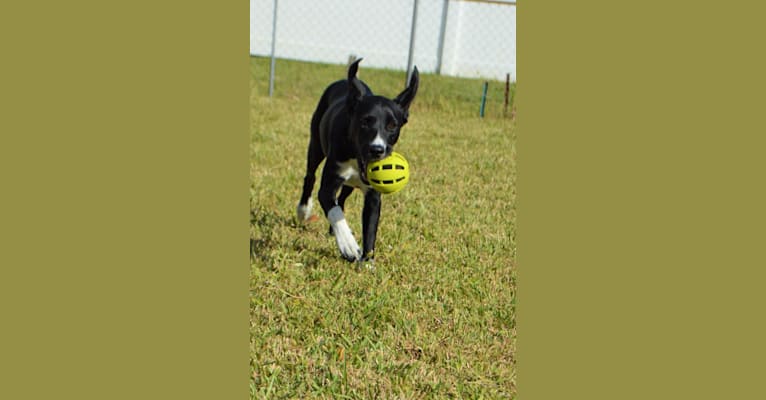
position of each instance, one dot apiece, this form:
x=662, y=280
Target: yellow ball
x=390, y=174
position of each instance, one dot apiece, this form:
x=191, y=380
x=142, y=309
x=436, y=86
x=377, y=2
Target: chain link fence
x=463, y=38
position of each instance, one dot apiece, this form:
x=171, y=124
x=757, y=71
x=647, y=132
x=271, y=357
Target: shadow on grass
x=263, y=238
x=272, y=233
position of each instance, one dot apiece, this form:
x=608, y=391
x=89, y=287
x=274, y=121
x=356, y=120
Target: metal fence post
x=442, y=32
x=412, y=40
x=273, y=48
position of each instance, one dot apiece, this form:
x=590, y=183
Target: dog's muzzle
x=362, y=170
x=377, y=151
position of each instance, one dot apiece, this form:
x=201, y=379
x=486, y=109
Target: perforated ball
x=390, y=174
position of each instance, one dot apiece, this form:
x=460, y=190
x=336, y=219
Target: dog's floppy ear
x=355, y=88
x=404, y=99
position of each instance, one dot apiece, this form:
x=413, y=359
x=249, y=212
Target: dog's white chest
x=349, y=171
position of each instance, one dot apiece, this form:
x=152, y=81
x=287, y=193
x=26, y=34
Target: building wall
x=479, y=37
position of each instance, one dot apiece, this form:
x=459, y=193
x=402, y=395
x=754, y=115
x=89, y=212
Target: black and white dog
x=352, y=127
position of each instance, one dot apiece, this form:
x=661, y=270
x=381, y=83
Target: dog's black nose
x=377, y=150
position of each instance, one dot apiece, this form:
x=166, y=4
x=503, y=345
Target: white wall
x=480, y=38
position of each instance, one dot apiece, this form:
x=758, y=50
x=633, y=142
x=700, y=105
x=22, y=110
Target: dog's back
x=330, y=105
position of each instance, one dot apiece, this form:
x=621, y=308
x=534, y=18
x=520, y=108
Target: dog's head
x=376, y=121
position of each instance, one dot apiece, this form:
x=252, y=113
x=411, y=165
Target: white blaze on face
x=378, y=141
x=349, y=171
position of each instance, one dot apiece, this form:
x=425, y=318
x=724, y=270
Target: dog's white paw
x=304, y=210
x=347, y=245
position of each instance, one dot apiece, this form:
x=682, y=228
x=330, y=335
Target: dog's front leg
x=347, y=245
x=370, y=217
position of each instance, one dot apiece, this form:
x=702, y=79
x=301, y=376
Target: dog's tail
x=353, y=71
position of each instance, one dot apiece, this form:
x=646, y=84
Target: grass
x=436, y=319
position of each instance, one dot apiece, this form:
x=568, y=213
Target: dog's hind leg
x=345, y=191
x=315, y=157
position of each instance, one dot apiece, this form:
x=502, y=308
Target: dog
x=350, y=128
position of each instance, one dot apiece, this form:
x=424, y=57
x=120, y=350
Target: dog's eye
x=391, y=125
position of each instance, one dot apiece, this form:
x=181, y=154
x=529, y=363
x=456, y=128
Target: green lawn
x=436, y=319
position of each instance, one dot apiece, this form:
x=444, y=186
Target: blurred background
x=461, y=38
